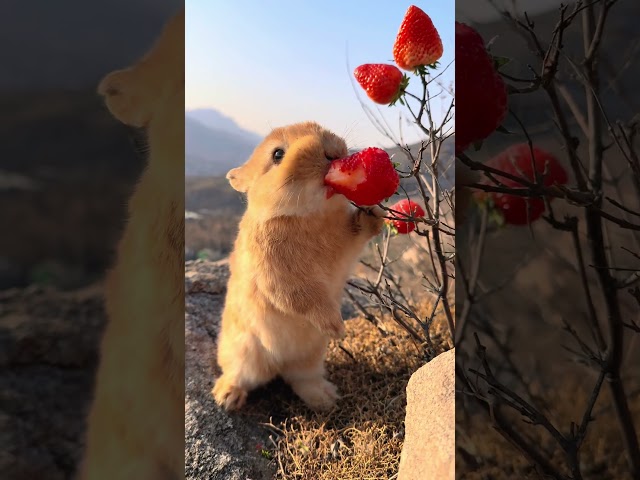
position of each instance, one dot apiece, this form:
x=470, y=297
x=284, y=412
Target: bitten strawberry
x=365, y=178
x=516, y=160
x=418, y=42
x=383, y=83
x=408, y=208
x=481, y=95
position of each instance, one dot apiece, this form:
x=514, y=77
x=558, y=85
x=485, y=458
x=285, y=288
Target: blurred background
x=66, y=171
x=529, y=286
x=67, y=166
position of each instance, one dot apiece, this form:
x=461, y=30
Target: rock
x=203, y=276
x=217, y=445
x=429, y=446
x=48, y=356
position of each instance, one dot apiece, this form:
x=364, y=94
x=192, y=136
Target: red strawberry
x=417, y=42
x=383, y=83
x=365, y=178
x=481, y=96
x=516, y=160
x=410, y=210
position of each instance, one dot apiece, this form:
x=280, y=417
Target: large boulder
x=429, y=446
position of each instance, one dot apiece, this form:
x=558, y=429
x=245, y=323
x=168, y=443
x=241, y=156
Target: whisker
x=284, y=199
x=287, y=181
x=298, y=201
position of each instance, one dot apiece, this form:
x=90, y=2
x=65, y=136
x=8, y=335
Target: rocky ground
x=48, y=345
x=205, y=424
x=48, y=354
x=276, y=437
x=206, y=456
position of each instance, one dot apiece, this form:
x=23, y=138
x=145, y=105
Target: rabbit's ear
x=238, y=180
x=126, y=97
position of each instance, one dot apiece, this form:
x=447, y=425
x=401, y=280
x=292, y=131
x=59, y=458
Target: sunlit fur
x=294, y=251
x=136, y=422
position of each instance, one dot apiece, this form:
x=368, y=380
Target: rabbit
x=135, y=427
x=294, y=251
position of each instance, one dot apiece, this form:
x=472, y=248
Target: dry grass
x=362, y=437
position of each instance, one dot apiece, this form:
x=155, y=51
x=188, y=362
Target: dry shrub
x=485, y=453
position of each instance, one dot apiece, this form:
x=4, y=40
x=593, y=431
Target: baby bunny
x=135, y=428
x=293, y=254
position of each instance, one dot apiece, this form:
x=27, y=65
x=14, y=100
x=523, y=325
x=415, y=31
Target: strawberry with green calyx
x=406, y=212
x=384, y=84
x=418, y=42
x=366, y=178
x=517, y=161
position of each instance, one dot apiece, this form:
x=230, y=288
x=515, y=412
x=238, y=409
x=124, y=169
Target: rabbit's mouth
x=329, y=192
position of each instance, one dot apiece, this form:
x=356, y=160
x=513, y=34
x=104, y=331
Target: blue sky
x=267, y=64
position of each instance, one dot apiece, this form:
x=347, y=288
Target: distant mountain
x=214, y=151
x=218, y=121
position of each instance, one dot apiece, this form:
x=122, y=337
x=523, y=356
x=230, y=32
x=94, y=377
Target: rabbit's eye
x=278, y=155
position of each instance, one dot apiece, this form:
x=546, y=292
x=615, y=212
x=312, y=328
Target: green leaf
x=499, y=62
x=399, y=97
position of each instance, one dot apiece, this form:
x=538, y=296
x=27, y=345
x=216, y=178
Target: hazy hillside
x=218, y=209
x=212, y=152
x=446, y=163
x=218, y=121
x=209, y=194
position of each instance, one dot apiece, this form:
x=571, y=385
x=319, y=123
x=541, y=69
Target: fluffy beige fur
x=136, y=423
x=294, y=251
